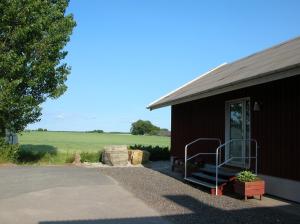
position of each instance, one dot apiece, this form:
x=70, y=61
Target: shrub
x=36, y=153
x=156, y=152
x=92, y=157
x=246, y=176
x=8, y=153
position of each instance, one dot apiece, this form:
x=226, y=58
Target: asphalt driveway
x=57, y=195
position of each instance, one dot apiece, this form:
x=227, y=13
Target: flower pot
x=250, y=189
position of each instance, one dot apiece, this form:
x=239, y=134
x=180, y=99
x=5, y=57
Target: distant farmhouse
x=254, y=99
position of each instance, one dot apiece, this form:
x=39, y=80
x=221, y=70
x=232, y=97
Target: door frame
x=227, y=127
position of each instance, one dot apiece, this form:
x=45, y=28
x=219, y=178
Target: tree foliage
x=33, y=34
x=141, y=127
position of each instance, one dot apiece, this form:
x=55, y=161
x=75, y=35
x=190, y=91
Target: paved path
x=68, y=195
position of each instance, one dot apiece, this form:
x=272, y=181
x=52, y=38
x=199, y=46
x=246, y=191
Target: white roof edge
x=197, y=78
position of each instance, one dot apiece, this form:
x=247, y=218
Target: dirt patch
x=7, y=165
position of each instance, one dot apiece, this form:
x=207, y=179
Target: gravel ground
x=182, y=203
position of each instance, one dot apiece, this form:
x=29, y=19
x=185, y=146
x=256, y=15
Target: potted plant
x=249, y=185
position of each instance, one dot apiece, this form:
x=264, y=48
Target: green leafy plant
x=246, y=176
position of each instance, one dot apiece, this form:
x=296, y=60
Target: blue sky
x=125, y=54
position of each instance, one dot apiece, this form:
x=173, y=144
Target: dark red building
x=257, y=97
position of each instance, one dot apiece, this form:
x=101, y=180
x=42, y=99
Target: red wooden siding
x=276, y=126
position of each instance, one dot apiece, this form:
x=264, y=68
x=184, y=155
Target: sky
x=125, y=54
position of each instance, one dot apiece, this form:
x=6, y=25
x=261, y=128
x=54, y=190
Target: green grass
x=70, y=142
x=59, y=147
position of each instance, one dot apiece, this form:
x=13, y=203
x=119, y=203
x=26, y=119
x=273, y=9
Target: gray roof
x=260, y=65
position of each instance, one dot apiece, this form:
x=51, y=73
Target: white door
x=238, y=127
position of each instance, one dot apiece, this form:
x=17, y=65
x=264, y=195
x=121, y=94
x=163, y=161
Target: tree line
x=144, y=127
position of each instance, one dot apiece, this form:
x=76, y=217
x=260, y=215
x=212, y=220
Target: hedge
x=156, y=152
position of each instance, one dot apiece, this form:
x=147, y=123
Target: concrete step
x=203, y=183
x=208, y=178
x=222, y=172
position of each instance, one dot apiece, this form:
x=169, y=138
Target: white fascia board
x=260, y=79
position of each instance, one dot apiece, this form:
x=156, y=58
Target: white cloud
x=60, y=116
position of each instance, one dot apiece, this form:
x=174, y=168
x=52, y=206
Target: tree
x=33, y=34
x=141, y=127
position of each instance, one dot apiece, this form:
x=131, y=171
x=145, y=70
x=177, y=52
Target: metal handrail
x=218, y=150
x=218, y=154
x=186, y=149
x=200, y=153
x=232, y=158
x=244, y=157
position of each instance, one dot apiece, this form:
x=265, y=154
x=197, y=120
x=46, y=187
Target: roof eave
x=258, y=79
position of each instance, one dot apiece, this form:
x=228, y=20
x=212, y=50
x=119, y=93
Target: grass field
x=69, y=142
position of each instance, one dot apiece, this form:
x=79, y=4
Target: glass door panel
x=236, y=131
x=238, y=127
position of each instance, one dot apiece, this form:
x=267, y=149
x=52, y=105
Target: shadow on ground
x=33, y=153
x=164, y=167
x=199, y=213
